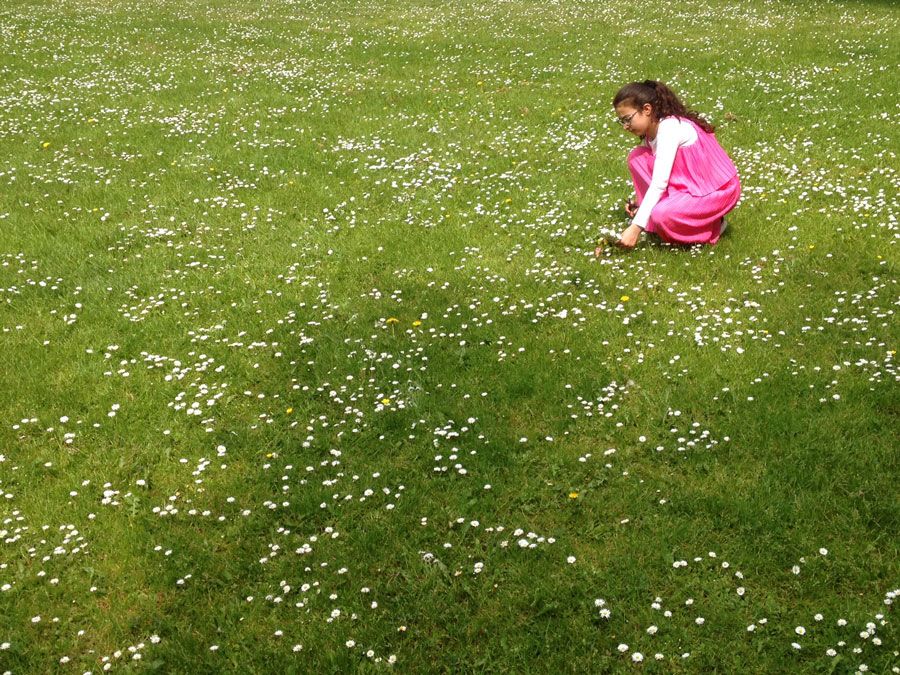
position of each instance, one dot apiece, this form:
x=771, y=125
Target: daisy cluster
x=670, y=620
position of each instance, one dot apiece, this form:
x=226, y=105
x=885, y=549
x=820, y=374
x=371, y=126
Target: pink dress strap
x=702, y=167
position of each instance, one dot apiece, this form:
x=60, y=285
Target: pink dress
x=703, y=186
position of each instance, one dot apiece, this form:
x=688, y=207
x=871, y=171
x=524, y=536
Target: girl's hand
x=630, y=207
x=629, y=237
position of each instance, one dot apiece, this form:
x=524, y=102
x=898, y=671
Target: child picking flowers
x=684, y=181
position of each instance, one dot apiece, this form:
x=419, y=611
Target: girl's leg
x=681, y=218
x=640, y=164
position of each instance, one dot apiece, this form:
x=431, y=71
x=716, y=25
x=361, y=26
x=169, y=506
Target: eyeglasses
x=626, y=121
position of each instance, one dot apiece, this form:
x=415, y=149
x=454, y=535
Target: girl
x=684, y=181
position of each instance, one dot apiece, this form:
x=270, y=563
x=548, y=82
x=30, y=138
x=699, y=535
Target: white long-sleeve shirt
x=671, y=134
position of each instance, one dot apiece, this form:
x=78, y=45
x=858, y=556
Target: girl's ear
x=647, y=108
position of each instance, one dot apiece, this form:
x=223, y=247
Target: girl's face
x=635, y=120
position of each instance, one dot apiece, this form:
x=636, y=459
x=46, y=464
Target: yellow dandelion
x=289, y=411
x=624, y=298
x=45, y=144
x=385, y=401
x=573, y=495
x=416, y=323
x=392, y=320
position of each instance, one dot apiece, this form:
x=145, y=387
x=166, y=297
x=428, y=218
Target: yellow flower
x=812, y=246
x=509, y=200
x=624, y=298
x=573, y=495
x=392, y=320
x=45, y=144
x=289, y=411
x=416, y=323
x=385, y=401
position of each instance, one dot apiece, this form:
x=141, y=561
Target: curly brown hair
x=664, y=101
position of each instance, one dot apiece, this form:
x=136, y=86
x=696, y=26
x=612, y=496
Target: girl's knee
x=639, y=153
x=640, y=163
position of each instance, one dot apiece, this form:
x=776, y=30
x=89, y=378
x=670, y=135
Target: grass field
x=306, y=364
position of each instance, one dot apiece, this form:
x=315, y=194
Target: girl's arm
x=669, y=137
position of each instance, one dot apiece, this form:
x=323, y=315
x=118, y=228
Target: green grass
x=358, y=237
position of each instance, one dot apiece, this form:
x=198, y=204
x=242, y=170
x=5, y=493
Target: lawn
x=307, y=364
